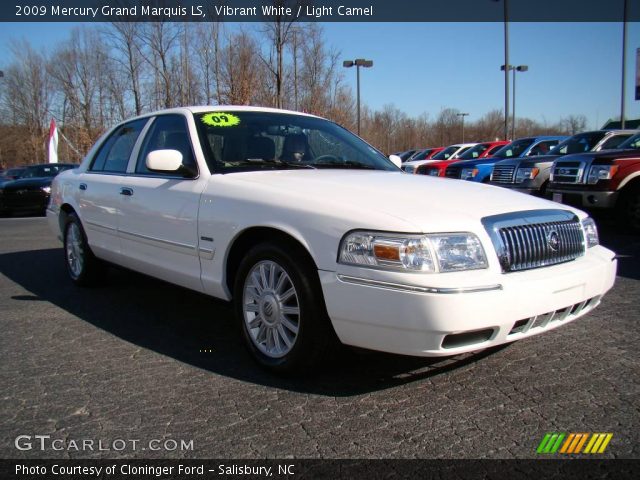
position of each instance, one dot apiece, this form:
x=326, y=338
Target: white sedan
x=318, y=238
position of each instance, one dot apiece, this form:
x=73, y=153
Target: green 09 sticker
x=219, y=119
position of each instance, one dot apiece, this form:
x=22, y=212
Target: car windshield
x=632, y=143
x=240, y=141
x=446, y=153
x=14, y=172
x=43, y=171
x=514, y=149
x=580, y=143
x=474, y=152
x=422, y=155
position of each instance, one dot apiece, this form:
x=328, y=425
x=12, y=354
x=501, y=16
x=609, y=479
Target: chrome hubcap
x=271, y=309
x=75, y=253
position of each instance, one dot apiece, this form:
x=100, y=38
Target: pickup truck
x=479, y=170
x=531, y=175
x=295, y=220
x=602, y=180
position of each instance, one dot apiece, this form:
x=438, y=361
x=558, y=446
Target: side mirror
x=397, y=161
x=166, y=161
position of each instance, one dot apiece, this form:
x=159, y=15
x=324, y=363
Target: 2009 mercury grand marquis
x=315, y=235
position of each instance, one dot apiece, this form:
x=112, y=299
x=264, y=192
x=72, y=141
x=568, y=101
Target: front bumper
x=431, y=322
x=587, y=199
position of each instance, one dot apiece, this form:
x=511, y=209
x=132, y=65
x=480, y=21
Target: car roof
x=218, y=108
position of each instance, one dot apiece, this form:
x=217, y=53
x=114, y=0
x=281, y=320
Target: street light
x=358, y=62
x=462, y=115
x=519, y=68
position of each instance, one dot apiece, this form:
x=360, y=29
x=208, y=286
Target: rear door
x=99, y=189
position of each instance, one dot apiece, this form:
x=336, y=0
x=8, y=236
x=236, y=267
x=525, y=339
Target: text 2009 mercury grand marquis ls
x=315, y=235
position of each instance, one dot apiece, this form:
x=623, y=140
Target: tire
x=278, y=303
x=629, y=209
x=82, y=266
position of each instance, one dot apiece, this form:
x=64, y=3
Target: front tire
x=278, y=303
x=82, y=266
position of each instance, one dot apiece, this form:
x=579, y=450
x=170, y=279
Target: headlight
x=601, y=172
x=432, y=253
x=468, y=173
x=528, y=173
x=590, y=232
x=409, y=168
x=46, y=189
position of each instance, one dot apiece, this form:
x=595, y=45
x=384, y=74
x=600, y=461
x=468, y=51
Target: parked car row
x=599, y=169
x=26, y=190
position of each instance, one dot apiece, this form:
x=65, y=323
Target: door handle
x=126, y=191
x=83, y=186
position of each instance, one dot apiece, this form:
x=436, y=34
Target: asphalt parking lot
x=137, y=359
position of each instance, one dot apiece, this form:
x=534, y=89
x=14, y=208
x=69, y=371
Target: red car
x=425, y=154
x=481, y=150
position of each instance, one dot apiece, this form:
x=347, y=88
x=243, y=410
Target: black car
x=30, y=192
x=11, y=174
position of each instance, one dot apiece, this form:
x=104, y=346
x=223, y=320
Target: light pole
x=358, y=62
x=624, y=69
x=519, y=68
x=506, y=71
x=462, y=115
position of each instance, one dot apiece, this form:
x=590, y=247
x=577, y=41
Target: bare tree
x=159, y=40
x=126, y=52
x=28, y=98
x=573, y=124
x=238, y=67
x=279, y=32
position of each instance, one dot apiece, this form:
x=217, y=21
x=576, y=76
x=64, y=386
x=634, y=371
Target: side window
x=114, y=154
x=614, y=141
x=494, y=150
x=168, y=132
x=543, y=147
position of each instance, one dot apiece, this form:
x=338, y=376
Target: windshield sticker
x=220, y=119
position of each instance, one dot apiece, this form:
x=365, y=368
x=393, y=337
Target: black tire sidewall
x=312, y=329
x=86, y=276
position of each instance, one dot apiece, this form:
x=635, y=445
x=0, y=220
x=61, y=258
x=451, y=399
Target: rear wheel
x=278, y=302
x=83, y=267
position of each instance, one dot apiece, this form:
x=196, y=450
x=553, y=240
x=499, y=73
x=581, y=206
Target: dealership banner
x=318, y=10
x=312, y=469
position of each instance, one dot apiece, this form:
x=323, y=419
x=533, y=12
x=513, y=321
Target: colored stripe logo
x=574, y=443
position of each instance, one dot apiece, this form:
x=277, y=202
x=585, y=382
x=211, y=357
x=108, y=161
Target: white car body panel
x=181, y=230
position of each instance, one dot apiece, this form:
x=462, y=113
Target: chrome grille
x=568, y=172
x=452, y=172
x=503, y=174
x=534, y=239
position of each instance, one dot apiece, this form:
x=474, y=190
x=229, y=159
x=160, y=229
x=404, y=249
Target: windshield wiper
x=350, y=164
x=274, y=164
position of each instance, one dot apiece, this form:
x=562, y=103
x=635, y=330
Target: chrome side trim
x=414, y=288
x=99, y=226
x=180, y=247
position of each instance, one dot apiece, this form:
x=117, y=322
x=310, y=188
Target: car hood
x=382, y=200
x=477, y=161
x=28, y=183
x=536, y=161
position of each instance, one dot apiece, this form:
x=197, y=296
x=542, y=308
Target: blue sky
x=574, y=68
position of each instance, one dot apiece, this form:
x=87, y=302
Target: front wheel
x=83, y=267
x=279, y=305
